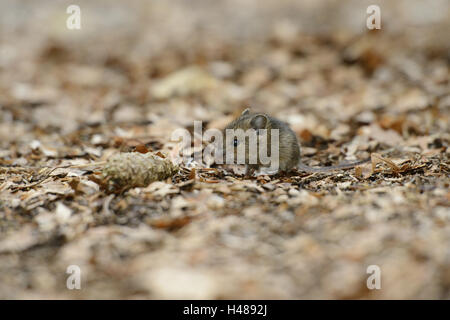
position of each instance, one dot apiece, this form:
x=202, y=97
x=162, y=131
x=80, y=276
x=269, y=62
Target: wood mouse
x=289, y=147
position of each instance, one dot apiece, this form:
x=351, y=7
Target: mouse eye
x=235, y=142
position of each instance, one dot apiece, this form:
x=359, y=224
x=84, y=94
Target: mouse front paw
x=250, y=170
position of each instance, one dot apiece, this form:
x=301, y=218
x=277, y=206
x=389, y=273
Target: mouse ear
x=259, y=121
x=245, y=112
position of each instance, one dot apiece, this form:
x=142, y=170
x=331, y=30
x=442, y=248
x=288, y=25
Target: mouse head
x=243, y=123
x=248, y=120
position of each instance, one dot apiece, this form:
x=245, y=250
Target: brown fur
x=289, y=149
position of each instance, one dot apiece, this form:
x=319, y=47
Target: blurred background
x=125, y=48
x=137, y=70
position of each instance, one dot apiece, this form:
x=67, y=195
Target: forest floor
x=215, y=234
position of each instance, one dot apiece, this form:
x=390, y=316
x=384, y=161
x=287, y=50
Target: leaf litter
x=87, y=177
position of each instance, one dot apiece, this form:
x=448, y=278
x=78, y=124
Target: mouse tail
x=341, y=166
